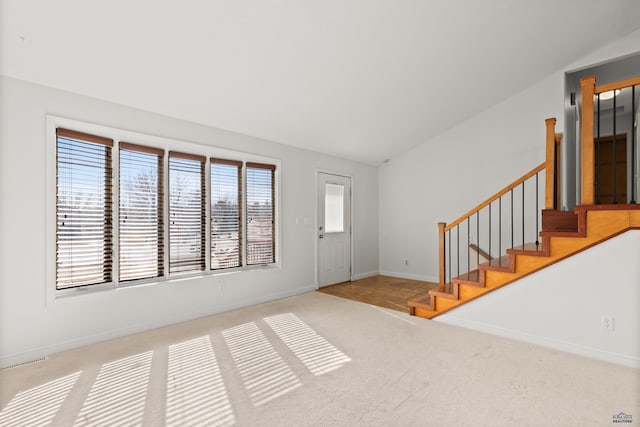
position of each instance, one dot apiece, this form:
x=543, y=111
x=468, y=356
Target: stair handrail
x=443, y=227
x=633, y=81
x=551, y=199
x=589, y=91
x=499, y=194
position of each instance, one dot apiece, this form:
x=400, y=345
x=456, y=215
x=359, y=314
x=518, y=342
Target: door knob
x=321, y=236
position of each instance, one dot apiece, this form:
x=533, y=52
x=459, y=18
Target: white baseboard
x=40, y=353
x=364, y=275
x=565, y=346
x=420, y=277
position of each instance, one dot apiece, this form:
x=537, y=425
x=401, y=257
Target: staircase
x=561, y=234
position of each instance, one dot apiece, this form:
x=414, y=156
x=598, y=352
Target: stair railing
x=509, y=218
x=604, y=109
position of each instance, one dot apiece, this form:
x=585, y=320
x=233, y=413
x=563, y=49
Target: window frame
x=160, y=195
x=167, y=145
x=202, y=258
x=272, y=169
x=241, y=196
x=87, y=157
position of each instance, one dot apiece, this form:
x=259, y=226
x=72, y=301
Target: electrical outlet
x=607, y=322
x=406, y=262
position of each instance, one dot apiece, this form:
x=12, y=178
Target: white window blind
x=84, y=241
x=226, y=206
x=260, y=213
x=186, y=212
x=141, y=219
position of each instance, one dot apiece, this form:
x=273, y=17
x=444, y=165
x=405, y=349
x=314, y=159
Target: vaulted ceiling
x=360, y=79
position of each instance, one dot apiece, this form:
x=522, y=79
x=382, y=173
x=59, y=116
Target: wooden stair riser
x=559, y=220
x=445, y=304
x=423, y=312
x=468, y=292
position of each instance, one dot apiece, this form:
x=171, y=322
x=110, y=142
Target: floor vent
x=30, y=362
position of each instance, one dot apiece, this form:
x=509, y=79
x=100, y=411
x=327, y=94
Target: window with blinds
x=133, y=212
x=260, y=213
x=226, y=207
x=84, y=239
x=141, y=241
x=186, y=213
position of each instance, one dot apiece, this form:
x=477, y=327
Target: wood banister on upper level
x=587, y=163
x=634, y=81
x=588, y=87
x=552, y=193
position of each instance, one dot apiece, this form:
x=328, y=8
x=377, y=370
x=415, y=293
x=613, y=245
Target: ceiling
x=360, y=79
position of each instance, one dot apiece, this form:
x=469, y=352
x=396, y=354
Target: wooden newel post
x=442, y=262
x=550, y=167
x=588, y=87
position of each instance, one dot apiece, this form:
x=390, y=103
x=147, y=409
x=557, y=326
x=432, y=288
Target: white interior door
x=334, y=229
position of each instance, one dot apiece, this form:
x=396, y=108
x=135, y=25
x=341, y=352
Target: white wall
x=30, y=327
x=448, y=175
x=561, y=306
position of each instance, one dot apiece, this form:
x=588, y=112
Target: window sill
x=156, y=281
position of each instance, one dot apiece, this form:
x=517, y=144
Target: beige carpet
x=316, y=360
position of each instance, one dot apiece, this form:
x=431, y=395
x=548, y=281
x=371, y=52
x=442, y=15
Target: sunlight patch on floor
x=264, y=372
x=37, y=406
x=196, y=394
x=317, y=354
x=117, y=397
x=194, y=391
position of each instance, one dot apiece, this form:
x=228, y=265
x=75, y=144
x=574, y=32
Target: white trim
x=420, y=277
x=50, y=211
x=361, y=276
x=561, y=345
x=167, y=144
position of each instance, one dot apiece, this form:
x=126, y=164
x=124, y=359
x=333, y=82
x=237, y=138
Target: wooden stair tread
x=473, y=278
x=445, y=291
x=528, y=247
x=531, y=249
x=420, y=300
x=425, y=302
x=562, y=234
x=504, y=263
